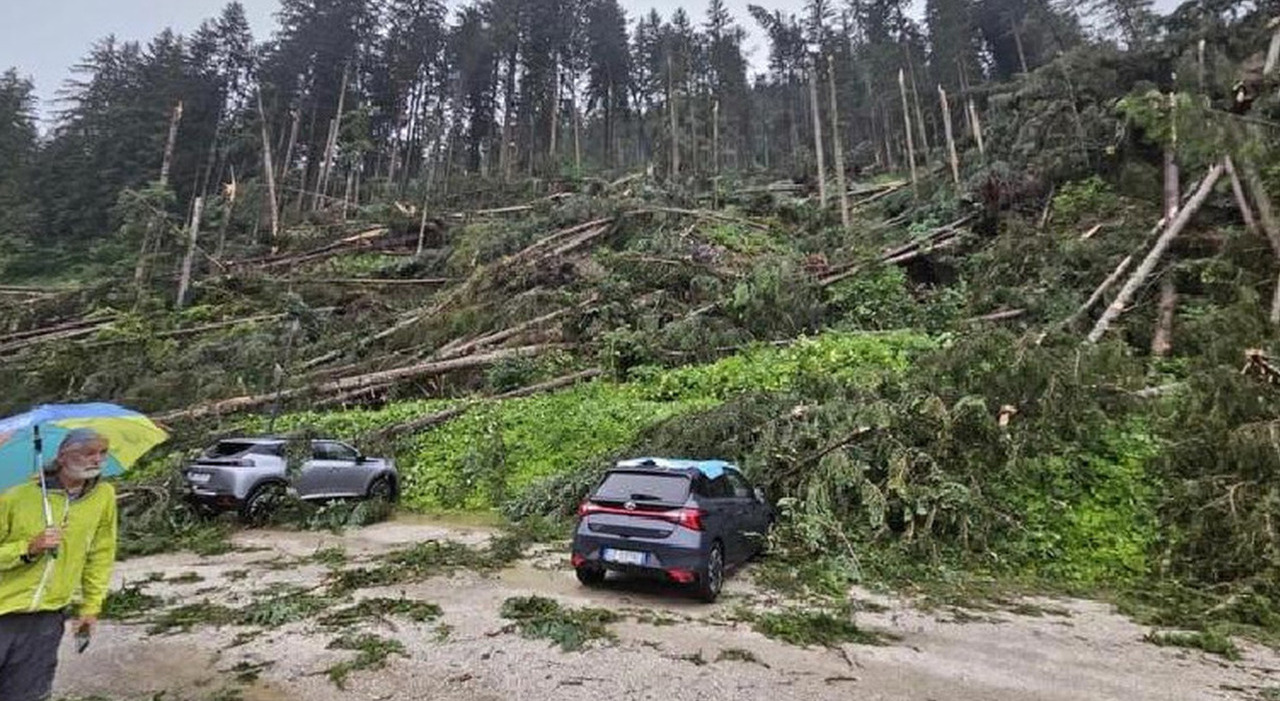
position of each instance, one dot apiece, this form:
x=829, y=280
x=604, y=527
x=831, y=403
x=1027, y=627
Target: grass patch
x=185, y=578
x=334, y=557
x=378, y=608
x=571, y=629
x=372, y=653
x=805, y=627
x=248, y=672
x=1209, y=641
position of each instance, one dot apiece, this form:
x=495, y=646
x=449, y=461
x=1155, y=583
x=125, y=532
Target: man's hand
x=85, y=624
x=48, y=540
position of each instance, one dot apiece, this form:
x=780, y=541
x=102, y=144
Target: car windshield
x=637, y=486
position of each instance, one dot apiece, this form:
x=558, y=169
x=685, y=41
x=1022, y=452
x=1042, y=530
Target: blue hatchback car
x=683, y=520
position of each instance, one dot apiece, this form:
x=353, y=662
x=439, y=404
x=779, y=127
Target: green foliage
x=130, y=601
x=806, y=627
x=182, y=619
x=571, y=629
x=273, y=609
x=1084, y=200
x=373, y=651
x=379, y=607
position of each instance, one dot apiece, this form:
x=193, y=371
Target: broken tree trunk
x=977, y=129
x=193, y=233
x=455, y=350
x=174, y=120
x=951, y=142
x=269, y=171
x=346, y=384
x=837, y=146
x=817, y=135
x=1242, y=202
x=1162, y=340
x=911, y=144
x=1148, y=264
x=1267, y=215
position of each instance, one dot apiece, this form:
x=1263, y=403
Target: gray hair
x=78, y=437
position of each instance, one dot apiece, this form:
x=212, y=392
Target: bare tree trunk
x=555, y=123
x=837, y=146
x=1162, y=340
x=170, y=144
x=1200, y=64
x=577, y=136
x=817, y=135
x=269, y=172
x=951, y=142
x=1267, y=215
x=1017, y=39
x=715, y=140
x=193, y=233
x=293, y=143
x=1149, y=263
x=675, y=128
x=1246, y=212
x=231, y=195
x=911, y=145
x=915, y=96
x=977, y=129
x=1273, y=50
x=335, y=126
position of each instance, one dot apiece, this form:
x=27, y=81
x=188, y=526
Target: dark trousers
x=29, y=654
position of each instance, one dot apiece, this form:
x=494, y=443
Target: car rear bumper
x=660, y=558
x=211, y=499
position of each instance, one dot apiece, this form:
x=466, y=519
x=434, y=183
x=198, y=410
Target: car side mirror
x=361, y=459
x=760, y=494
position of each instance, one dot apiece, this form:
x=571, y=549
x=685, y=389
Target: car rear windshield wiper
x=645, y=497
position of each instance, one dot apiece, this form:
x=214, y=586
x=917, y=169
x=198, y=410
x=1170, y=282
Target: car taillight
x=689, y=518
x=587, y=508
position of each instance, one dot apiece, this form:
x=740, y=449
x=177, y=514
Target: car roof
x=709, y=468
x=270, y=440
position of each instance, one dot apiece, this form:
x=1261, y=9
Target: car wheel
x=590, y=576
x=711, y=579
x=382, y=490
x=261, y=503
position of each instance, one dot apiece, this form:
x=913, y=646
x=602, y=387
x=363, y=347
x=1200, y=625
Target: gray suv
x=250, y=475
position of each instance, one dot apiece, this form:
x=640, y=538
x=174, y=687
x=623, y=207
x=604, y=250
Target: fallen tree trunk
x=1242, y=202
x=346, y=384
x=1148, y=264
x=1099, y=292
x=1001, y=315
x=468, y=347
x=701, y=214
x=370, y=281
x=65, y=326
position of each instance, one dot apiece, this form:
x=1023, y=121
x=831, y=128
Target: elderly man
x=43, y=567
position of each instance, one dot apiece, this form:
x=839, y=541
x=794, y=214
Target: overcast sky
x=43, y=39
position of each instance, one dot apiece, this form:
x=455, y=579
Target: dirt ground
x=668, y=647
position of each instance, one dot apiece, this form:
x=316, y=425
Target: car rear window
x=636, y=486
x=231, y=449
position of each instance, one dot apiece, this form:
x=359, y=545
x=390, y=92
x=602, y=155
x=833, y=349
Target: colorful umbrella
x=23, y=437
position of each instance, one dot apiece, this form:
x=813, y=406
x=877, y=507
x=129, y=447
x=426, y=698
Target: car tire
x=381, y=489
x=590, y=576
x=711, y=578
x=261, y=503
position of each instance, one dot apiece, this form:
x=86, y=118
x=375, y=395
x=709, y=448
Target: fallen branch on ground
x=346, y=384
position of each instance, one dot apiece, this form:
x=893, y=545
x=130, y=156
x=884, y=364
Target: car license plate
x=623, y=557
x=199, y=477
